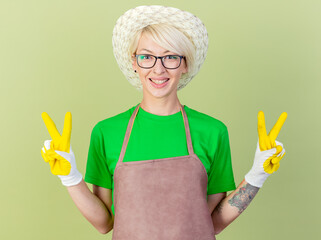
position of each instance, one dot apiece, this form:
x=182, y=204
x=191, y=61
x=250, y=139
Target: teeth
x=158, y=81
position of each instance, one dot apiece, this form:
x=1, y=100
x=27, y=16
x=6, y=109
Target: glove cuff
x=256, y=180
x=71, y=180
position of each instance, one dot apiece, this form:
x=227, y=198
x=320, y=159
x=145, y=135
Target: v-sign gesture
x=59, y=142
x=268, y=153
x=58, y=153
x=268, y=141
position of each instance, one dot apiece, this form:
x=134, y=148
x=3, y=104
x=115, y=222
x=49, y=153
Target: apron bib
x=161, y=199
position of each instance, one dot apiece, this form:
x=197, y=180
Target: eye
x=144, y=57
x=172, y=57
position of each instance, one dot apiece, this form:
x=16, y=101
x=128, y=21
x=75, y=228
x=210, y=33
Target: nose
x=159, y=68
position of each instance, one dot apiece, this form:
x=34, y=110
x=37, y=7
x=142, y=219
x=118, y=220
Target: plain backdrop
x=56, y=56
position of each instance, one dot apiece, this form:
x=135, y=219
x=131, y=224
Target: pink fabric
x=161, y=199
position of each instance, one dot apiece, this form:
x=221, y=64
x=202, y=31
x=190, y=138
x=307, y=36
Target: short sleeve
x=97, y=171
x=221, y=178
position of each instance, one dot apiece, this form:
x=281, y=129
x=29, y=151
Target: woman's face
x=150, y=89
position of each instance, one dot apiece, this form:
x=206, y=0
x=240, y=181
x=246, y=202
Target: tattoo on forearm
x=219, y=207
x=243, y=197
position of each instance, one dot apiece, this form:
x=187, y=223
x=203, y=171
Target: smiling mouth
x=158, y=81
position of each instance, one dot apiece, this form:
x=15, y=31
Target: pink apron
x=161, y=199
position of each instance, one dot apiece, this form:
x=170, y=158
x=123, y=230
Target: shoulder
x=115, y=122
x=204, y=121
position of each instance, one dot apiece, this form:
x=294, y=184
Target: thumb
x=279, y=143
x=47, y=144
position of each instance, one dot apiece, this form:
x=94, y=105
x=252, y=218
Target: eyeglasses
x=168, y=61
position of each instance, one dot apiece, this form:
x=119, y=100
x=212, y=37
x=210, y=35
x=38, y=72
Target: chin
x=161, y=93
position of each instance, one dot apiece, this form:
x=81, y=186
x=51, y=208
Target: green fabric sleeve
x=221, y=177
x=97, y=171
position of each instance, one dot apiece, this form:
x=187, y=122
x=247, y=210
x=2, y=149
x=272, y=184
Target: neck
x=161, y=107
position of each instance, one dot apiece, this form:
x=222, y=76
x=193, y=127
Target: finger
x=53, y=165
x=261, y=129
x=278, y=158
x=278, y=149
x=277, y=127
x=274, y=143
x=282, y=155
x=47, y=144
x=268, y=143
x=59, y=164
x=275, y=167
x=51, y=126
x=278, y=143
x=275, y=160
x=44, y=156
x=66, y=132
x=267, y=166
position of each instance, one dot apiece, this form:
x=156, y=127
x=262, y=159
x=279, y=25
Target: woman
x=160, y=170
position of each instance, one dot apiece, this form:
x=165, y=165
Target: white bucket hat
x=137, y=18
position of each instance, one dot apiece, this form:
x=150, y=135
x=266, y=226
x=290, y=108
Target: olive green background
x=56, y=56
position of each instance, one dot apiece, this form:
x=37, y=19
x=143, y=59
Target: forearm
x=233, y=205
x=91, y=207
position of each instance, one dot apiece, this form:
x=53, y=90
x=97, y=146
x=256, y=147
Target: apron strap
x=128, y=131
x=131, y=123
x=187, y=131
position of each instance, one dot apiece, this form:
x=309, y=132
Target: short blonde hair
x=167, y=37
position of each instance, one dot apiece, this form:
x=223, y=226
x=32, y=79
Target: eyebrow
x=144, y=49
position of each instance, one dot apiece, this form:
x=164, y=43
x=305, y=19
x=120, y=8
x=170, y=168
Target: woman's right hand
x=268, y=153
x=58, y=153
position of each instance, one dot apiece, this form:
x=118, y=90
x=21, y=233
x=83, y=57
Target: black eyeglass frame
x=161, y=58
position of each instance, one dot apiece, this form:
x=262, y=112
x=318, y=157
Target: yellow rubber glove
x=268, y=153
x=58, y=165
x=60, y=142
x=58, y=153
x=267, y=142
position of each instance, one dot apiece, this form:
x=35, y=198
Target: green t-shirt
x=154, y=137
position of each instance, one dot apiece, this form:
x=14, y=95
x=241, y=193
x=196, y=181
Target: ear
x=185, y=68
x=134, y=64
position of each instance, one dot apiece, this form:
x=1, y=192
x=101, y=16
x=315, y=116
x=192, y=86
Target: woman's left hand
x=268, y=153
